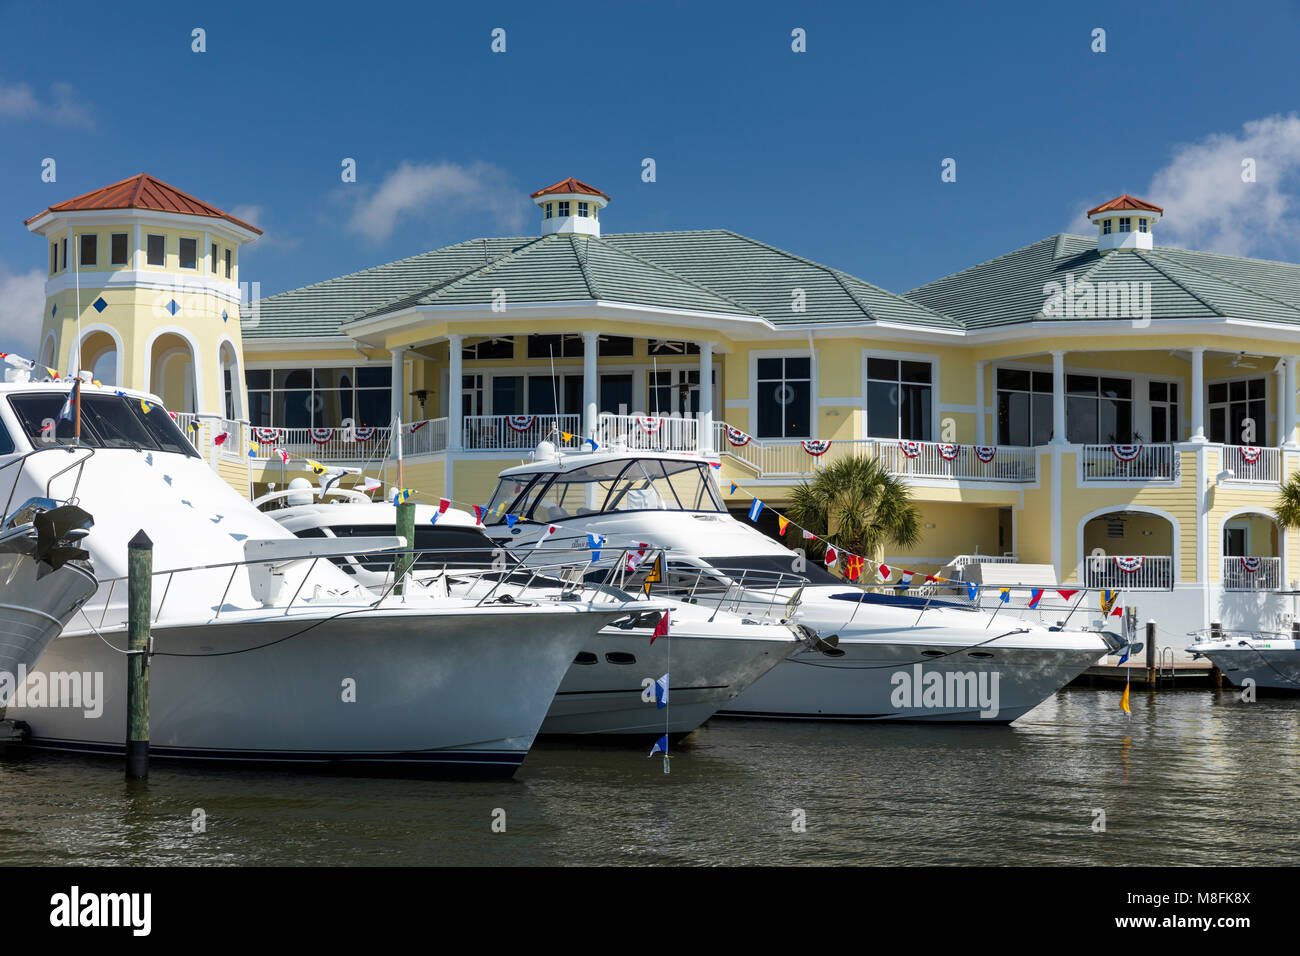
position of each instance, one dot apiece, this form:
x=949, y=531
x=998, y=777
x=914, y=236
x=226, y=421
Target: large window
x=559, y=346
x=497, y=347
x=1235, y=404
x=1098, y=410
x=320, y=398
x=1165, y=424
x=188, y=250
x=155, y=250
x=784, y=397
x=89, y=250
x=1024, y=407
x=118, y=249
x=899, y=399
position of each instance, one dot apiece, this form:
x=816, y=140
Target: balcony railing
x=1249, y=463
x=1129, y=462
x=648, y=432
x=424, y=438
x=1252, y=574
x=519, y=432
x=1150, y=572
x=324, y=444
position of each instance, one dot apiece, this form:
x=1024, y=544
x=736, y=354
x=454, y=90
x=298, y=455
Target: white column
x=399, y=385
x=1058, y=398
x=704, y=439
x=590, y=381
x=1196, y=401
x=455, y=391
x=1279, y=411
x=979, y=403
x=1288, y=397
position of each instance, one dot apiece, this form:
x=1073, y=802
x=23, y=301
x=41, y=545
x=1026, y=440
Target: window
x=562, y=208
x=1238, y=411
x=320, y=397
x=615, y=345
x=500, y=347
x=1105, y=227
x=611, y=486
x=1024, y=407
x=89, y=250
x=155, y=251
x=1098, y=410
x=54, y=257
x=899, y=399
x=118, y=249
x=784, y=397
x=507, y=394
x=1234, y=541
x=471, y=395
x=550, y=210
x=107, y=421
x=212, y=260
x=582, y=209
x=65, y=253
x=616, y=392
x=1125, y=224
x=189, y=253
x=1165, y=426
x=559, y=346
x=229, y=257
x=1142, y=225
x=7, y=446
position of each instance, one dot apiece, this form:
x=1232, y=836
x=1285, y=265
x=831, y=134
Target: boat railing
x=21, y=462
x=750, y=591
x=1204, y=634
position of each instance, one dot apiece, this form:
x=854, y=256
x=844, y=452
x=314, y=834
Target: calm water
x=1195, y=777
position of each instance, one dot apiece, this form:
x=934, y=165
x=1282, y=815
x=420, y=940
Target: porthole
x=932, y=653
x=620, y=657
x=585, y=657
x=982, y=655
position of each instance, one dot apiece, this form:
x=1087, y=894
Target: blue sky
x=834, y=153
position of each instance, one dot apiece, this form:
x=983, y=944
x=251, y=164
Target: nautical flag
x=284, y=455
x=592, y=443
x=478, y=514
x=146, y=406
x=853, y=567
x=972, y=590
x=252, y=449
x=734, y=486
x=660, y=747
x=370, y=484
x=885, y=571
x=655, y=575
x=69, y=407
x=831, y=556
x=443, y=505
x=550, y=530
x=220, y=438
x=566, y=436
x=634, y=558
x=1127, y=648
x=1004, y=595
x=755, y=509
x=905, y=581
x=661, y=629
x=501, y=507
x=317, y=469
x=594, y=541
x=400, y=495
x=1108, y=598
x=661, y=693
x=782, y=522
x=17, y=361
x=1123, y=701
x=1067, y=594
x=511, y=521
x=716, y=465
x=1118, y=612
x=1035, y=597
x=809, y=536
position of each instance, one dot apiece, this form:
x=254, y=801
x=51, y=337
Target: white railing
x=185, y=422
x=518, y=432
x=324, y=444
x=235, y=444
x=424, y=438
x=1128, y=462
x=1151, y=572
x=1266, y=467
x=790, y=458
x=648, y=432
x=1239, y=576
x=962, y=560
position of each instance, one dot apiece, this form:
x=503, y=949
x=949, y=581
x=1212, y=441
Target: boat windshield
x=639, y=484
x=451, y=547
x=107, y=421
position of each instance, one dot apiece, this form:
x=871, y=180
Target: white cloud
x=22, y=304
x=19, y=102
x=1207, y=206
x=438, y=191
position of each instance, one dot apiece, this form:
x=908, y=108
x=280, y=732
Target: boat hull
x=1270, y=664
x=33, y=611
x=384, y=691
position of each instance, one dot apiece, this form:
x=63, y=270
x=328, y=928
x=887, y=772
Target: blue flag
x=661, y=746
x=512, y=520
x=661, y=693
x=594, y=541
x=67, y=412
x=592, y=443
x=755, y=509
x=972, y=590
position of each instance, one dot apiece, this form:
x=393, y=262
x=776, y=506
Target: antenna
x=655, y=391
x=555, y=399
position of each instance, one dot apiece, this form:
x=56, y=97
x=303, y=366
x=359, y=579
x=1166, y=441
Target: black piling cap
x=140, y=542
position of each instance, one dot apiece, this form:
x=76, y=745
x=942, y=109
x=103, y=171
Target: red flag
x=443, y=505
x=478, y=514
x=1118, y=612
x=1067, y=594
x=831, y=556
x=885, y=572
x=661, y=629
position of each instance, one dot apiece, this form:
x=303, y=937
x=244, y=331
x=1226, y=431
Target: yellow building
x=1081, y=402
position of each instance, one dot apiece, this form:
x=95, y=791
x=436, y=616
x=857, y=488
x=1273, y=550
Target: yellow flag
x=315, y=467
x=655, y=574
x=566, y=436
x=145, y=406
x=782, y=523
x=1123, y=701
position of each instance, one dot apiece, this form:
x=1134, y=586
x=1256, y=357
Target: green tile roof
x=1009, y=290
x=708, y=271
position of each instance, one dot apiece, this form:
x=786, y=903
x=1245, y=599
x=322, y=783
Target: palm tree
x=1288, y=503
x=860, y=506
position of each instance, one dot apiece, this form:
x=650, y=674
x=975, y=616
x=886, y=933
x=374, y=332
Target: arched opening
x=1130, y=550
x=171, y=373
x=231, y=384
x=1250, y=549
x=99, y=357
x=50, y=352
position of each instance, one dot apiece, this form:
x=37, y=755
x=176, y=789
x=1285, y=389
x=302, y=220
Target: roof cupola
x=1125, y=222
x=570, y=206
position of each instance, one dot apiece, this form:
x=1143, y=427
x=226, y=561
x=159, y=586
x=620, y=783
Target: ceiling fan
x=1238, y=363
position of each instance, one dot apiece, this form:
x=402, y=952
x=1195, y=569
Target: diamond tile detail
x=99, y=304
x=225, y=316
x=172, y=307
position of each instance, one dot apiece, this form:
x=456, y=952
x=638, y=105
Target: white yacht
x=263, y=650
x=45, y=576
x=1270, y=660
x=890, y=657
x=709, y=653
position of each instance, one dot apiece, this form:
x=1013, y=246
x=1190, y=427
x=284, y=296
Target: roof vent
x=570, y=206
x=1125, y=222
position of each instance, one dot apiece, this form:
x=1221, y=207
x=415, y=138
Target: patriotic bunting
x=1250, y=454
x=1250, y=565
x=650, y=424
x=1129, y=564
x=321, y=436
x=520, y=423
x=816, y=447
x=949, y=452
x=912, y=449
x=1126, y=452
x=737, y=438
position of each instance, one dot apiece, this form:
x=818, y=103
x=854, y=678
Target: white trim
x=237, y=379
x=814, y=406
x=94, y=218
x=936, y=376
x=1175, y=549
x=155, y=279
x=196, y=363
x=54, y=352
x=74, y=348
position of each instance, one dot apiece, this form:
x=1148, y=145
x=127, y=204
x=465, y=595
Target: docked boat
x=710, y=653
x=263, y=649
x=890, y=656
x=1269, y=660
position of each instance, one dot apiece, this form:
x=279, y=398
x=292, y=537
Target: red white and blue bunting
x=520, y=423
x=737, y=438
x=1250, y=565
x=816, y=446
x=1129, y=564
x=1126, y=452
x=1250, y=454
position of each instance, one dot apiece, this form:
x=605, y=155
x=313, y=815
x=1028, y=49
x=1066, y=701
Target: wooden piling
x=1151, y=654
x=405, y=529
x=139, y=610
